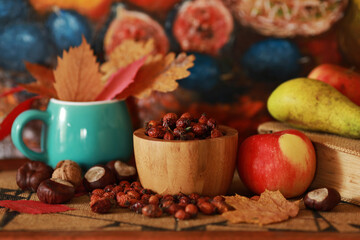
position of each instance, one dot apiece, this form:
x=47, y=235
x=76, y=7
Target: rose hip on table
x=185, y=127
x=148, y=203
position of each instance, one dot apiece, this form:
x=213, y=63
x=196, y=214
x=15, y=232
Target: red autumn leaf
x=120, y=80
x=5, y=126
x=33, y=207
x=11, y=91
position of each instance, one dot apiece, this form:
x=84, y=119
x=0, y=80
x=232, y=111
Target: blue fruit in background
x=272, y=60
x=66, y=28
x=21, y=42
x=11, y=10
x=205, y=74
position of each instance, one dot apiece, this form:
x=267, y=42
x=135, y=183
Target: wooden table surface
x=6, y=165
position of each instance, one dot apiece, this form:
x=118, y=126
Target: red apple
x=282, y=161
x=344, y=80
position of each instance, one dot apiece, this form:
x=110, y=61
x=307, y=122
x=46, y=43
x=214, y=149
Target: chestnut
x=55, y=191
x=98, y=177
x=122, y=170
x=31, y=174
x=322, y=199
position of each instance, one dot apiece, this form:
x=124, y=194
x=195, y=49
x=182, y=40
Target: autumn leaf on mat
x=271, y=207
x=159, y=75
x=33, y=207
x=77, y=76
x=120, y=80
x=44, y=85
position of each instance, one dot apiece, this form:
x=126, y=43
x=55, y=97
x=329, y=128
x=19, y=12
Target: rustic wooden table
x=12, y=164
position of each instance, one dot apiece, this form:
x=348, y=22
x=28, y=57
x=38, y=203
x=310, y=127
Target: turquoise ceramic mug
x=88, y=133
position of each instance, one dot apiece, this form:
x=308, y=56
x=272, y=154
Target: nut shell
x=69, y=171
x=31, y=174
x=98, y=177
x=55, y=191
x=322, y=199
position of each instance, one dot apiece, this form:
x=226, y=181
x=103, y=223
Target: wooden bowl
x=203, y=166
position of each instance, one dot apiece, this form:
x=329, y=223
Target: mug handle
x=17, y=132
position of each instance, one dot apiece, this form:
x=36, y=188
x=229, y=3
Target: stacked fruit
x=170, y=127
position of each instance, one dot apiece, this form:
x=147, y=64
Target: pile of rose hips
x=146, y=202
x=170, y=127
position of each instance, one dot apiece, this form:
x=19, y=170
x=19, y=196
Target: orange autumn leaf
x=126, y=53
x=44, y=85
x=77, y=76
x=271, y=207
x=159, y=75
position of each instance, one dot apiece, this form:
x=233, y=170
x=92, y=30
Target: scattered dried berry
x=102, y=205
x=215, y=133
x=152, y=211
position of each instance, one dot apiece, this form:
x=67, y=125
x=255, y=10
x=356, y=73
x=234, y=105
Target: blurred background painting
x=243, y=49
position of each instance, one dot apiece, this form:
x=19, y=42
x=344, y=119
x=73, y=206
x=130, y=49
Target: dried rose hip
x=184, y=128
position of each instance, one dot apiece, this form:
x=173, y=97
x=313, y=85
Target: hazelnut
x=151, y=210
x=69, y=171
x=322, y=199
x=55, y=190
x=98, y=177
x=122, y=170
x=31, y=174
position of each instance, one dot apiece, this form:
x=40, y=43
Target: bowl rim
x=230, y=132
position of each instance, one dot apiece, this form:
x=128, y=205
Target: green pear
x=314, y=105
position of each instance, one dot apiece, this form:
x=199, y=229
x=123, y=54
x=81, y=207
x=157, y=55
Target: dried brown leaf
x=271, y=207
x=44, y=85
x=159, y=75
x=126, y=53
x=77, y=75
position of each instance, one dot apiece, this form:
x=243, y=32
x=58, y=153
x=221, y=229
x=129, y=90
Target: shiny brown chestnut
x=122, y=171
x=31, y=174
x=55, y=191
x=98, y=177
x=322, y=199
